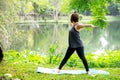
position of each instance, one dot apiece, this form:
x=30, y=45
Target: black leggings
x=80, y=52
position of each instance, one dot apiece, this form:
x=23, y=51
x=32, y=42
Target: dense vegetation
x=108, y=59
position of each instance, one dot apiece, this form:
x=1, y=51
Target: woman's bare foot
x=57, y=70
x=88, y=72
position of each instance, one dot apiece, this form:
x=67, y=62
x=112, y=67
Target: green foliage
x=29, y=7
x=41, y=6
x=8, y=12
x=73, y=61
x=64, y=6
x=111, y=59
x=99, y=11
x=79, y=5
x=106, y=59
x=53, y=56
x=98, y=8
x=25, y=56
x=99, y=22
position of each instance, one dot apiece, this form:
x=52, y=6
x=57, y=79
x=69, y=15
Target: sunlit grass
x=27, y=71
x=25, y=68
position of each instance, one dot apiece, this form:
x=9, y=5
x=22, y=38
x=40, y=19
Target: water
x=41, y=36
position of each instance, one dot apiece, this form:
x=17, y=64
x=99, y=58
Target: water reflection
x=41, y=36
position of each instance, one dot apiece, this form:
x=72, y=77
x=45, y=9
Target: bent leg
x=80, y=52
x=67, y=56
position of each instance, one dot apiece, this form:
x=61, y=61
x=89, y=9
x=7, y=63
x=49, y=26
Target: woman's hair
x=74, y=17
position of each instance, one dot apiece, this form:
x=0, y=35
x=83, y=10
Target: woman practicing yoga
x=75, y=42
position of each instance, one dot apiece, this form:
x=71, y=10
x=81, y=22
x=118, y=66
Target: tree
x=114, y=9
x=41, y=7
x=65, y=6
x=98, y=9
x=8, y=12
x=56, y=4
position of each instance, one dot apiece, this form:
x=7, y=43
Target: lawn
x=22, y=66
x=27, y=71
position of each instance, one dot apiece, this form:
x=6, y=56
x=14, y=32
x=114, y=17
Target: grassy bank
x=22, y=66
x=66, y=20
x=27, y=71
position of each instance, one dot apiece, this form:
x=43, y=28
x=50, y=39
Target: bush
x=107, y=59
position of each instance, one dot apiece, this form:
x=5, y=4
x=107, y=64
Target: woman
x=75, y=42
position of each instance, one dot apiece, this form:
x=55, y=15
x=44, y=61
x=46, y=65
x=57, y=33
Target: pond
x=43, y=36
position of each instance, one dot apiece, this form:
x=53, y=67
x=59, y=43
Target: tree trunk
x=56, y=10
x=35, y=15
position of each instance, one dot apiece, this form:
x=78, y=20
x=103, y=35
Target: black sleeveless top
x=74, y=39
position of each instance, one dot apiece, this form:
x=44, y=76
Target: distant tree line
x=114, y=9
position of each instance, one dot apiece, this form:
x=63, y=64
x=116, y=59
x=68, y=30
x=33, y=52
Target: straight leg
x=80, y=52
x=66, y=57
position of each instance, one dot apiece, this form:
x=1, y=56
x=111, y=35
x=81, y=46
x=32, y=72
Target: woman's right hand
x=93, y=26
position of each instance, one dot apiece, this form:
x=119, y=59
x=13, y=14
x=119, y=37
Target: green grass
x=24, y=68
x=27, y=71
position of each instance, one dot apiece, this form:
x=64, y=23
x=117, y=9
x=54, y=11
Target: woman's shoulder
x=78, y=26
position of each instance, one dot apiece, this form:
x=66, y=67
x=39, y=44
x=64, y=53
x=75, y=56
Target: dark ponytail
x=75, y=11
x=74, y=17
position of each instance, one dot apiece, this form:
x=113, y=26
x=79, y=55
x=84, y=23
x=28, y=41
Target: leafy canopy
x=98, y=9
